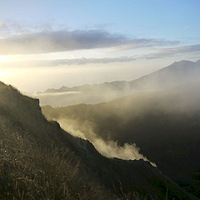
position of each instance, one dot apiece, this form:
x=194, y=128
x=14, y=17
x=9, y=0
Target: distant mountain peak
x=181, y=63
x=198, y=62
x=63, y=87
x=176, y=74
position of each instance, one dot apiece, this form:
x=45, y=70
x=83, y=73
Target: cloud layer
x=19, y=40
x=63, y=40
x=167, y=52
x=161, y=53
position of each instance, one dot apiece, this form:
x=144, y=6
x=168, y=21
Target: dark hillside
x=41, y=161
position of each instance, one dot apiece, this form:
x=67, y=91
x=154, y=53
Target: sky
x=48, y=44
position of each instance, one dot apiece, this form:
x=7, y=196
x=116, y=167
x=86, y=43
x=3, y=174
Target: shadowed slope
x=41, y=161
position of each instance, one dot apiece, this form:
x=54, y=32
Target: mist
x=177, y=74
x=130, y=110
x=120, y=128
x=108, y=149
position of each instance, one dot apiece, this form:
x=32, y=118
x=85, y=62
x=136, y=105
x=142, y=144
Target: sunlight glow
x=3, y=74
x=5, y=59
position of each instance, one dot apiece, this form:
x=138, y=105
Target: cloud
x=192, y=50
x=83, y=61
x=168, y=52
x=161, y=53
x=64, y=40
x=144, y=43
x=4, y=30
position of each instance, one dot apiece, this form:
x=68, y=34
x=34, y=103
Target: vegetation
x=41, y=161
x=35, y=169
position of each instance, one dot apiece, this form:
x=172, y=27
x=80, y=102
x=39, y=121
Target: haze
x=49, y=44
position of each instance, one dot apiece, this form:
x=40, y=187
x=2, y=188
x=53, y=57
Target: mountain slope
x=164, y=125
x=174, y=75
x=41, y=161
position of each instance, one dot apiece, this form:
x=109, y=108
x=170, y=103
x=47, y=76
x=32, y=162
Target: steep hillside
x=165, y=126
x=41, y=161
x=177, y=74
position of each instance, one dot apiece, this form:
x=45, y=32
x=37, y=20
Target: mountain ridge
x=178, y=65
x=176, y=74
